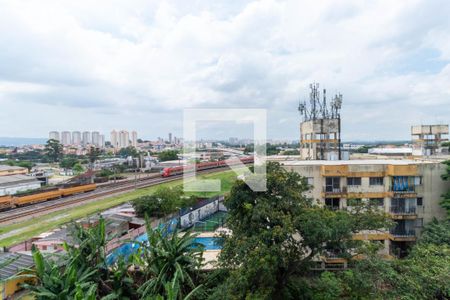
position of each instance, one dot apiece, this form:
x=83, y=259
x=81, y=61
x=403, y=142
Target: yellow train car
x=5, y=202
x=77, y=189
x=36, y=198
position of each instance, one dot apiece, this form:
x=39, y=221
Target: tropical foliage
x=170, y=263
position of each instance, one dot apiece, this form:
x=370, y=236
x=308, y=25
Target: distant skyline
x=102, y=65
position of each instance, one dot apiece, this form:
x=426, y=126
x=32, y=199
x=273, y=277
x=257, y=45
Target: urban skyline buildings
x=76, y=138
x=121, y=139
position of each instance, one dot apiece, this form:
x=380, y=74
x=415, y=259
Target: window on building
x=353, y=180
x=332, y=203
x=310, y=180
x=332, y=184
x=354, y=202
x=376, y=180
x=419, y=201
x=376, y=201
x=418, y=180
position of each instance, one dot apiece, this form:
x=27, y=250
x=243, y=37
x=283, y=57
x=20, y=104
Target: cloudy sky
x=137, y=64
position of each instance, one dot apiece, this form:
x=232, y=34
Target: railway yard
x=22, y=223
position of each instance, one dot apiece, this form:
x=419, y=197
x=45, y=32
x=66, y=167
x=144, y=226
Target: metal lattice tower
x=321, y=125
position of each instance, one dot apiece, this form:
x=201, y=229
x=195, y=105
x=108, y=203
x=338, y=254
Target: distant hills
x=16, y=142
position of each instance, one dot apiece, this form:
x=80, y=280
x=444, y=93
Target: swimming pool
x=125, y=250
x=210, y=243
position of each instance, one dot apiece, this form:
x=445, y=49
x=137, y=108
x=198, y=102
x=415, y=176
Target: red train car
x=166, y=172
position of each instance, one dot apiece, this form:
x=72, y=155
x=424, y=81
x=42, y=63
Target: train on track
x=171, y=171
x=8, y=201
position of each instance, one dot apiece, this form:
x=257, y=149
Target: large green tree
x=53, y=149
x=164, y=201
x=168, y=155
x=278, y=233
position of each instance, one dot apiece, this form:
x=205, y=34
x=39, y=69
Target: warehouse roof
x=12, y=263
x=10, y=168
x=12, y=179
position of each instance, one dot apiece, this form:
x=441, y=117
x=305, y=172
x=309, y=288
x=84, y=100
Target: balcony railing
x=408, y=189
x=403, y=210
x=334, y=190
x=403, y=232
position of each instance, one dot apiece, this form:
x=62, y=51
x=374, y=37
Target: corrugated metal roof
x=11, y=179
x=10, y=168
x=12, y=263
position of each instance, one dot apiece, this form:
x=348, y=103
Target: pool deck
x=210, y=259
x=208, y=234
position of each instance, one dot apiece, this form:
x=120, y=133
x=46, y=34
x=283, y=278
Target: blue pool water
x=126, y=250
x=210, y=243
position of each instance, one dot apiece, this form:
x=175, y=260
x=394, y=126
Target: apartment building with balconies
x=408, y=190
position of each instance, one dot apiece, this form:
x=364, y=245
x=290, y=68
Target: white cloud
x=118, y=62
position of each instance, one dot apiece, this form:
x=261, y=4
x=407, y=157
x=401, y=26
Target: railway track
x=58, y=204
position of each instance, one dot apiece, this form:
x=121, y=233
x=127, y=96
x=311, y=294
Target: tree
x=169, y=258
x=278, y=233
x=68, y=162
x=53, y=150
x=128, y=151
x=78, y=168
x=436, y=232
x=291, y=152
x=168, y=155
x=94, y=153
x=165, y=200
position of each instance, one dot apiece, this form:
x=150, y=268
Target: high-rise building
x=134, y=139
x=76, y=138
x=114, y=139
x=53, y=135
x=101, y=141
x=124, y=139
x=95, y=138
x=170, y=138
x=86, y=138
x=66, y=138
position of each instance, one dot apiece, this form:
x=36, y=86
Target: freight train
x=9, y=201
x=171, y=171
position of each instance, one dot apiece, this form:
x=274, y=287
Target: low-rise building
x=13, y=264
x=10, y=185
x=408, y=190
x=12, y=170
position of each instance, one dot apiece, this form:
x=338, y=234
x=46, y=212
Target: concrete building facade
x=134, y=139
x=124, y=139
x=114, y=139
x=427, y=139
x=95, y=138
x=76, y=138
x=66, y=138
x=53, y=135
x=408, y=190
x=86, y=138
x=320, y=139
